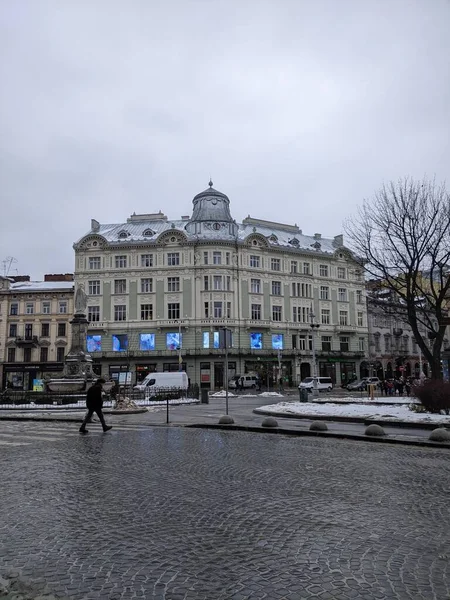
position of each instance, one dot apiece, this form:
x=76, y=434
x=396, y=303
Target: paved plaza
x=192, y=514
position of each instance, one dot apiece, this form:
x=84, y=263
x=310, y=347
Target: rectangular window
x=295, y=311
x=28, y=331
x=294, y=341
x=120, y=342
x=256, y=312
x=227, y=258
x=94, y=287
x=60, y=354
x=206, y=310
x=120, y=286
x=94, y=263
x=206, y=283
x=11, y=355
x=294, y=266
x=61, y=330
x=360, y=319
x=325, y=316
x=44, y=354
x=174, y=340
x=361, y=345
x=387, y=343
x=326, y=343
x=276, y=313
x=146, y=260
x=344, y=343
x=255, y=286
x=147, y=285
x=343, y=317
x=377, y=342
x=342, y=294
x=324, y=292
x=275, y=264
x=93, y=314
x=277, y=341
x=173, y=310
x=306, y=268
x=29, y=308
x=146, y=312
x=62, y=308
x=276, y=288
x=120, y=312
x=14, y=308
x=45, y=329
x=228, y=283
x=146, y=342
x=27, y=355
x=228, y=315
x=121, y=261
x=217, y=281
x=256, y=341
x=254, y=261
x=302, y=290
x=341, y=272
x=359, y=296
x=173, y=284
x=205, y=258
x=46, y=308
x=217, y=258
x=173, y=259
x=217, y=310
x=305, y=342
x=13, y=330
x=323, y=270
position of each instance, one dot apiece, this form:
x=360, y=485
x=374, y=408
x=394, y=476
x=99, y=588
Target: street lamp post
x=180, y=358
x=314, y=327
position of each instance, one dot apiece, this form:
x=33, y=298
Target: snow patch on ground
x=367, y=400
x=222, y=394
x=265, y=394
x=383, y=413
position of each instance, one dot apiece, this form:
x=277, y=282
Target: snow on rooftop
x=29, y=286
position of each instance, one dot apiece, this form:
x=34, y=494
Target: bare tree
x=402, y=236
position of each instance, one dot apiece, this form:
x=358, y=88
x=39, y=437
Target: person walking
x=94, y=403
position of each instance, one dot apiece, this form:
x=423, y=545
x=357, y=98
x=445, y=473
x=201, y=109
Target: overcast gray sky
x=298, y=109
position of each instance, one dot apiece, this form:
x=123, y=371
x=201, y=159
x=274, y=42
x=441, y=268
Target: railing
x=28, y=400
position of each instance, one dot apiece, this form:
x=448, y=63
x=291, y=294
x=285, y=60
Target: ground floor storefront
x=28, y=376
x=208, y=371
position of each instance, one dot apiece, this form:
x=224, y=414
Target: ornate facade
x=159, y=290
x=34, y=328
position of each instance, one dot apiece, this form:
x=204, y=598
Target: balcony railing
x=27, y=341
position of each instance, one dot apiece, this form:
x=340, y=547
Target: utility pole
x=314, y=327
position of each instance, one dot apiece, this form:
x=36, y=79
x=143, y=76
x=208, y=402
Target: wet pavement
x=178, y=513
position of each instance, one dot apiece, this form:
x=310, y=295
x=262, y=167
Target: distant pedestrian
x=94, y=403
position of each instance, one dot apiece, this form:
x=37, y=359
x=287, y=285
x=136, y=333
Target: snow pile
x=222, y=394
x=361, y=411
x=265, y=394
x=367, y=400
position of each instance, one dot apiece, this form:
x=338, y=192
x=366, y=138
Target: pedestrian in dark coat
x=94, y=403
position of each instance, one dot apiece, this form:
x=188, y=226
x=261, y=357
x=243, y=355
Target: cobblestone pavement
x=188, y=514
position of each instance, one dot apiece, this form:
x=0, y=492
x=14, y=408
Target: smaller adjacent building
x=34, y=328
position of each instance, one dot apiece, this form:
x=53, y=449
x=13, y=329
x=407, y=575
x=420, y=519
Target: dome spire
x=210, y=182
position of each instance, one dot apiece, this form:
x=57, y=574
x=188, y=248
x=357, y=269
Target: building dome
x=211, y=205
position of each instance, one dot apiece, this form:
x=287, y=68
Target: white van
x=155, y=382
x=249, y=381
x=323, y=383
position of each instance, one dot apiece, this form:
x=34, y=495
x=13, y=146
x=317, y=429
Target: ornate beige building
x=34, y=328
x=159, y=290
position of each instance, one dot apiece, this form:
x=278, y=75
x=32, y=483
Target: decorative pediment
x=173, y=237
x=256, y=240
x=91, y=242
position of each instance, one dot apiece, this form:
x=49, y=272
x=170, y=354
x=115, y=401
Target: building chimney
x=58, y=277
x=317, y=236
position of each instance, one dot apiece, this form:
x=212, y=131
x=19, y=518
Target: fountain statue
x=77, y=373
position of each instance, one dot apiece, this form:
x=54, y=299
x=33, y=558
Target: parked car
x=249, y=381
x=323, y=383
x=361, y=384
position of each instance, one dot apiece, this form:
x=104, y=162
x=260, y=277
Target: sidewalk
x=241, y=408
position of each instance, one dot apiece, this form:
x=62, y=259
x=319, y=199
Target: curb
x=337, y=419
x=307, y=433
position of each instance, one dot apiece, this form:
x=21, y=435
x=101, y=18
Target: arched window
x=148, y=233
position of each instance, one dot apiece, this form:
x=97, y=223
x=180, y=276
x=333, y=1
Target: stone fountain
x=77, y=373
